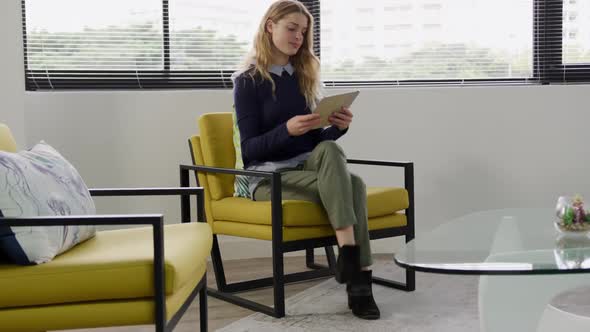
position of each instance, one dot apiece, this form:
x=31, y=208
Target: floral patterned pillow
x=41, y=182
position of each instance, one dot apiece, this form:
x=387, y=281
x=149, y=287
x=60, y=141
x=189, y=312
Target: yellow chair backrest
x=215, y=147
x=7, y=142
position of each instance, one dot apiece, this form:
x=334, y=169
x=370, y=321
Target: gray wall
x=474, y=148
x=11, y=67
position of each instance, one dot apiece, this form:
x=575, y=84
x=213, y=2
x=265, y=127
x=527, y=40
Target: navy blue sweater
x=262, y=119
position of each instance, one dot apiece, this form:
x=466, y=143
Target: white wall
x=474, y=148
x=12, y=69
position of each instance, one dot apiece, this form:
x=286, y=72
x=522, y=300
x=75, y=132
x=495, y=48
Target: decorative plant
x=572, y=215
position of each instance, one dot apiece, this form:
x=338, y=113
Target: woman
x=273, y=96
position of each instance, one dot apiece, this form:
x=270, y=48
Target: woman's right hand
x=301, y=124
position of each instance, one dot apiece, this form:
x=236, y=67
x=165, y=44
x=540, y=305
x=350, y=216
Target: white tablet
x=334, y=103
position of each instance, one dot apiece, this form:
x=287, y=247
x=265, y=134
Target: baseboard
x=242, y=248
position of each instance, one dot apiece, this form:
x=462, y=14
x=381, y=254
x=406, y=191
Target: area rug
x=440, y=303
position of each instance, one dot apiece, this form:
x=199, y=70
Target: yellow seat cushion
x=264, y=232
x=114, y=264
x=381, y=201
x=91, y=314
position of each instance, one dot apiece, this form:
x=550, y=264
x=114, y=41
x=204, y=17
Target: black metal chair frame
x=157, y=223
x=227, y=292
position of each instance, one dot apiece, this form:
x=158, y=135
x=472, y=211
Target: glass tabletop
x=507, y=241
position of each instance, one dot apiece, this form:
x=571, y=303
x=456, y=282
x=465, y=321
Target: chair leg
x=218, y=265
x=278, y=280
x=410, y=274
x=410, y=284
x=310, y=259
x=160, y=326
x=331, y=258
x=203, y=314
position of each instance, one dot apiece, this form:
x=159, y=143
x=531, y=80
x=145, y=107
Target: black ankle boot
x=360, y=297
x=348, y=264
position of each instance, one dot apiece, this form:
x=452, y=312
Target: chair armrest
x=408, y=185
x=145, y=191
x=275, y=182
x=380, y=162
x=184, y=193
x=408, y=171
x=97, y=220
x=275, y=192
x=156, y=220
x=222, y=170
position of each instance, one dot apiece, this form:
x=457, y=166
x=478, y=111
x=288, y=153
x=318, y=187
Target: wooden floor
x=222, y=313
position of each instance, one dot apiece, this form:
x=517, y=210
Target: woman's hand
x=342, y=118
x=301, y=124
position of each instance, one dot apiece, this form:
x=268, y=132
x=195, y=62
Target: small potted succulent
x=573, y=219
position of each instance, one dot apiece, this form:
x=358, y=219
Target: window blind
x=391, y=42
x=129, y=44
x=134, y=44
x=107, y=43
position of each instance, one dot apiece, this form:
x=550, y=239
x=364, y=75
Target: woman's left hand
x=341, y=119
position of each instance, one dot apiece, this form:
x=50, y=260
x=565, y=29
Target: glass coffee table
x=522, y=259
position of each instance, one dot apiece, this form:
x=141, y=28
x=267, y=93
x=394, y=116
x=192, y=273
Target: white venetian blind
x=91, y=35
x=424, y=40
x=129, y=44
x=137, y=43
x=212, y=35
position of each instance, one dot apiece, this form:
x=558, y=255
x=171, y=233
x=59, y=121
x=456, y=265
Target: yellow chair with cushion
x=146, y=275
x=291, y=225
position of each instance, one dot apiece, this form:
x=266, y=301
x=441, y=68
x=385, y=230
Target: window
x=398, y=8
x=572, y=34
x=130, y=44
x=576, y=43
x=364, y=29
x=433, y=6
x=563, y=45
x=211, y=35
x=473, y=45
x=400, y=27
x=432, y=26
x=365, y=10
x=126, y=38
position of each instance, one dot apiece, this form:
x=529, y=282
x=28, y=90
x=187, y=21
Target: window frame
x=547, y=63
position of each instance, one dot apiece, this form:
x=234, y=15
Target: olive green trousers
x=324, y=179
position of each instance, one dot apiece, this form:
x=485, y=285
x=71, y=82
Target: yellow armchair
x=121, y=277
x=291, y=225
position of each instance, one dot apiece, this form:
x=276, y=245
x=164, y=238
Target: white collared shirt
x=278, y=69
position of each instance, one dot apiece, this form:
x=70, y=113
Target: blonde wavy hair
x=306, y=64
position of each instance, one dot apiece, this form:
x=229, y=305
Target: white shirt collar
x=278, y=69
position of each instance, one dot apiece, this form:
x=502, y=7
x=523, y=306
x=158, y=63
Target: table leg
x=516, y=303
